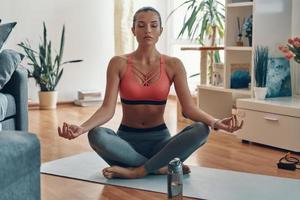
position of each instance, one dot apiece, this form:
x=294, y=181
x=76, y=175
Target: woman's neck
x=146, y=55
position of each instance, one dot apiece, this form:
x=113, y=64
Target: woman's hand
x=230, y=124
x=70, y=131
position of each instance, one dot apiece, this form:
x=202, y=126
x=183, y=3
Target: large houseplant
x=261, y=59
x=46, y=71
x=203, y=19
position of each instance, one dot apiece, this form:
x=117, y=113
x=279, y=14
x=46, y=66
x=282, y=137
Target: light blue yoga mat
x=204, y=183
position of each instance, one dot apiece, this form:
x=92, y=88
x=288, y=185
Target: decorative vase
x=260, y=93
x=296, y=79
x=239, y=41
x=48, y=100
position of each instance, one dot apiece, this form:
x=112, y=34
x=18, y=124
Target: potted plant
x=261, y=58
x=46, y=71
x=203, y=19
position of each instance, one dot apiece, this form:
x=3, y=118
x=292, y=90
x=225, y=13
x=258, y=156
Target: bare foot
x=122, y=172
x=164, y=170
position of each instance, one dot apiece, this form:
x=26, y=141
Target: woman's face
x=147, y=28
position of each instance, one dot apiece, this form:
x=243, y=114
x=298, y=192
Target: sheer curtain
x=123, y=13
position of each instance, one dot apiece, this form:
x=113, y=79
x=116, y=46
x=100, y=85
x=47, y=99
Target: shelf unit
x=240, y=4
x=234, y=56
x=271, y=27
x=236, y=48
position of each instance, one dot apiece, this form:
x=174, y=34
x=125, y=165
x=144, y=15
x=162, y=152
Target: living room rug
x=203, y=183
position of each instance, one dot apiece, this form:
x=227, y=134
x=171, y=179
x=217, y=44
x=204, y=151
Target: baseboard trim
x=34, y=105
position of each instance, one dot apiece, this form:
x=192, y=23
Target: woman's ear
x=132, y=30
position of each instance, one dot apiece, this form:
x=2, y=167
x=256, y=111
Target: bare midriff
x=143, y=116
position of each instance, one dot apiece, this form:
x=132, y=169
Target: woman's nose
x=148, y=29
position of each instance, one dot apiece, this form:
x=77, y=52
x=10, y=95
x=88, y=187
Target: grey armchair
x=19, y=150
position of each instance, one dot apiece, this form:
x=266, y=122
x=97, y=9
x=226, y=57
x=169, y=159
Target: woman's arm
x=189, y=109
x=106, y=111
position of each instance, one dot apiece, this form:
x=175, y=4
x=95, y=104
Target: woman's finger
x=235, y=121
x=64, y=128
x=241, y=125
x=70, y=134
x=59, y=131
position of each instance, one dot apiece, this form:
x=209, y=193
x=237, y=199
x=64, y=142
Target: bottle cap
x=175, y=165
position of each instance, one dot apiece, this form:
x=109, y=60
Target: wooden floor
x=222, y=151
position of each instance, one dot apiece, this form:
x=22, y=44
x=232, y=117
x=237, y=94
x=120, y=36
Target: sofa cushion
x=19, y=156
x=9, y=60
x=8, y=124
x=5, y=30
x=7, y=106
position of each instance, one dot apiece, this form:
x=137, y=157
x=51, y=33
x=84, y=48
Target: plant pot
x=48, y=100
x=260, y=93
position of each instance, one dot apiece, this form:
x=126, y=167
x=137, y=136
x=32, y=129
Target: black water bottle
x=175, y=177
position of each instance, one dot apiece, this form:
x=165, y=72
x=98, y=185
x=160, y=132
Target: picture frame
x=278, y=78
x=240, y=75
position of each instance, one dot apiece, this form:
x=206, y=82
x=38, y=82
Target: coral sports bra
x=150, y=91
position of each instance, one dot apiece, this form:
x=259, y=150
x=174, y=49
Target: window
x=190, y=59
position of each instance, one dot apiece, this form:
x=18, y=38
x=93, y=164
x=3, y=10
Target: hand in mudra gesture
x=230, y=124
x=70, y=131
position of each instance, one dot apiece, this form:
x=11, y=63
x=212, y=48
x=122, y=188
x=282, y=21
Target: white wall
x=89, y=36
x=272, y=16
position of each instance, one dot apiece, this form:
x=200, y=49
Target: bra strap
x=129, y=59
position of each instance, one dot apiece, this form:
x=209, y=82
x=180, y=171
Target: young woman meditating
x=143, y=144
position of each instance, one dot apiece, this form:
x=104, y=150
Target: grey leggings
x=151, y=147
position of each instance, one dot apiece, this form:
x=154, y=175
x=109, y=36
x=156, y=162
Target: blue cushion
x=9, y=60
x=5, y=30
x=7, y=106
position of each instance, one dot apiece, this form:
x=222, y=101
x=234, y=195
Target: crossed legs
x=126, y=162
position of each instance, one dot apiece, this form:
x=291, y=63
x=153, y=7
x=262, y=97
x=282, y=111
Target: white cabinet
x=274, y=122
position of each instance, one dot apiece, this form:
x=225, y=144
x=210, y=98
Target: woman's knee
x=200, y=131
x=97, y=136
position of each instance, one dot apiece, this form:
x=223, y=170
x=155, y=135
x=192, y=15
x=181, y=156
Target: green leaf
x=181, y=5
x=58, y=77
x=193, y=75
x=72, y=61
x=62, y=44
x=49, y=56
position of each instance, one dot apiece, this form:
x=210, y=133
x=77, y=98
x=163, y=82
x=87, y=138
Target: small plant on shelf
x=261, y=65
x=248, y=29
x=261, y=59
